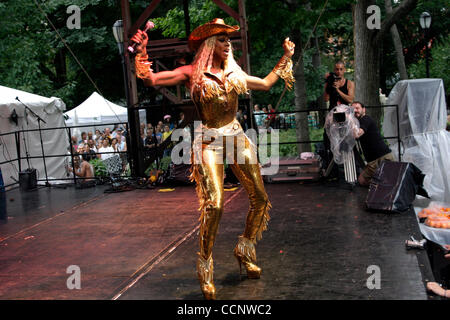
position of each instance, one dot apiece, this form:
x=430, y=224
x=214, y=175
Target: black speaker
x=394, y=187
x=28, y=180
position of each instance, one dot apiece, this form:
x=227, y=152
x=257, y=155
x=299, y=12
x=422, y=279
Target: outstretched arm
x=282, y=70
x=168, y=78
x=145, y=72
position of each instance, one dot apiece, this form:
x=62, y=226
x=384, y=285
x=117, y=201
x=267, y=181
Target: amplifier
x=394, y=187
x=28, y=180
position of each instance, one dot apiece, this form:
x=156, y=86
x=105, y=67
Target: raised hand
x=288, y=47
x=141, y=38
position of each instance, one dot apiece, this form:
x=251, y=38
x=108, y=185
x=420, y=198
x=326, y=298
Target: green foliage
x=163, y=165
x=99, y=168
x=34, y=59
x=290, y=135
x=412, y=37
x=171, y=24
x=439, y=64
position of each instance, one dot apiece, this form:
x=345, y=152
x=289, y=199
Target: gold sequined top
x=217, y=101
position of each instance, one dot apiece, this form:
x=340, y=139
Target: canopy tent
x=55, y=142
x=97, y=111
x=425, y=142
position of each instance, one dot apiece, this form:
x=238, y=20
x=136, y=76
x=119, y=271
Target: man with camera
x=338, y=90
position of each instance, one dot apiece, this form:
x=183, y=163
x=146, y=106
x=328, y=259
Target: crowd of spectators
x=104, y=144
x=101, y=144
x=154, y=137
x=98, y=145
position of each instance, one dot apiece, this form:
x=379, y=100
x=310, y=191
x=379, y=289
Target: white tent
x=97, y=111
x=55, y=142
x=422, y=122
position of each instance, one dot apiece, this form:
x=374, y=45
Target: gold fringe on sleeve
x=142, y=66
x=283, y=69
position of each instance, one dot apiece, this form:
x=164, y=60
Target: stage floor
x=143, y=244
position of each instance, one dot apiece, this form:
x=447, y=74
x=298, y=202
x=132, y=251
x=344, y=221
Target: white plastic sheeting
x=55, y=142
x=422, y=122
x=341, y=134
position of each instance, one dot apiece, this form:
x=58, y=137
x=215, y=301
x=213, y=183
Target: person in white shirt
x=106, y=147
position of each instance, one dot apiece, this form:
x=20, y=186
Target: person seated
x=106, y=147
x=115, y=144
x=121, y=143
x=97, y=135
x=107, y=133
x=83, y=170
x=89, y=153
x=83, y=138
x=92, y=146
x=373, y=146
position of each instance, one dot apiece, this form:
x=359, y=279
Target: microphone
x=148, y=26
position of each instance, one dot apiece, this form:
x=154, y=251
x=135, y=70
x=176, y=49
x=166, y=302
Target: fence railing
x=327, y=110
x=19, y=136
x=69, y=129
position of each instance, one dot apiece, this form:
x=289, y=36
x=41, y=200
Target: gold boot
x=245, y=254
x=205, y=276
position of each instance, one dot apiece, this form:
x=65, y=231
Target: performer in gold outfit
x=215, y=81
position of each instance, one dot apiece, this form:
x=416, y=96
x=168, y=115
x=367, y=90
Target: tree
x=397, y=44
x=367, y=50
x=33, y=58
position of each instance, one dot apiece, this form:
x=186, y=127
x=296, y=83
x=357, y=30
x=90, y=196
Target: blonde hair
x=203, y=62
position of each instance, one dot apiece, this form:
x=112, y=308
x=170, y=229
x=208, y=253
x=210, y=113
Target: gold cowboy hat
x=212, y=28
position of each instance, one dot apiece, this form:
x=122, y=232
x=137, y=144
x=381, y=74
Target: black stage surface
x=142, y=245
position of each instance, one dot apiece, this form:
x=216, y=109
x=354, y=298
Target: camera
x=332, y=77
x=339, y=117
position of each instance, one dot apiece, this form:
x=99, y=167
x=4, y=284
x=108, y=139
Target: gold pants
x=209, y=175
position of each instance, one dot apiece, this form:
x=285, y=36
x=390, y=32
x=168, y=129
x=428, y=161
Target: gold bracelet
x=283, y=69
x=142, y=66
